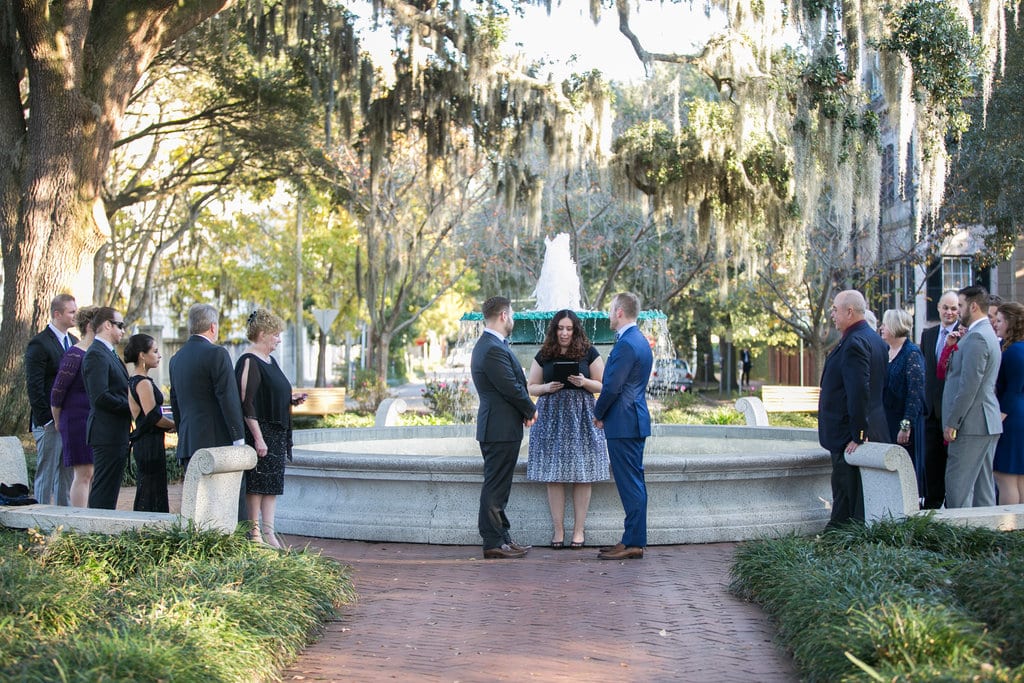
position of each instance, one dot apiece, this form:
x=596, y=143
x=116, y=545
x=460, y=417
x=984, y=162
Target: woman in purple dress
x=70, y=405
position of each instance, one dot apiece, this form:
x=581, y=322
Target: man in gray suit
x=204, y=393
x=970, y=411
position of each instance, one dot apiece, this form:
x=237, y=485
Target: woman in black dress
x=146, y=401
x=267, y=399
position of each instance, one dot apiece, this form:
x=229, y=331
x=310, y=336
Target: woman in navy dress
x=69, y=403
x=903, y=396
x=1008, y=466
x=267, y=399
x=146, y=403
x=565, y=447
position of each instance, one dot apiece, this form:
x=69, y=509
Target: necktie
x=67, y=342
x=942, y=341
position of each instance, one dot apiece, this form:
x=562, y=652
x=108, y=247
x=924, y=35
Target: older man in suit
x=204, y=393
x=621, y=410
x=970, y=411
x=850, y=408
x=42, y=360
x=505, y=408
x=933, y=340
x=110, y=420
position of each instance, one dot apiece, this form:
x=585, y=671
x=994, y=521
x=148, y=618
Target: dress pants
x=969, y=481
x=109, y=461
x=627, y=462
x=847, y=492
x=935, y=454
x=499, y=464
x=52, y=485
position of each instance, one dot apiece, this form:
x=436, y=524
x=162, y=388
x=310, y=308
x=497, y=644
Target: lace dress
x=564, y=445
x=268, y=396
x=903, y=399
x=69, y=394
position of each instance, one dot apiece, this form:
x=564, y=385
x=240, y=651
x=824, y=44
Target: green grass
x=910, y=600
x=179, y=604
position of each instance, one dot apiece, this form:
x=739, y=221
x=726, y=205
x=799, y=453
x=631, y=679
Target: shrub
x=450, y=398
x=369, y=390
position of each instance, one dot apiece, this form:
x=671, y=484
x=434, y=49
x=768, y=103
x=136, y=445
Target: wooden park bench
x=778, y=399
x=321, y=401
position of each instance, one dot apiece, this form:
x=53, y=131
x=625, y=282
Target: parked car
x=670, y=374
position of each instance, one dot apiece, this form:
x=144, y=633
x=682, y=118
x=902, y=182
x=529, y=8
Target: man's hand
x=599, y=423
x=949, y=434
x=851, y=447
x=528, y=422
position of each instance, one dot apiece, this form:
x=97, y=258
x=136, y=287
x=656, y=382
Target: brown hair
x=84, y=317
x=1013, y=314
x=579, y=345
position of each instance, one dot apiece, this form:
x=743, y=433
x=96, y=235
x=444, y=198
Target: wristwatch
x=904, y=425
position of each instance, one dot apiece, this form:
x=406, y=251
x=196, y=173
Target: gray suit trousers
x=969, y=481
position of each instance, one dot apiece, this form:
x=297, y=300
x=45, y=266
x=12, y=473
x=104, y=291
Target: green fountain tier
x=531, y=325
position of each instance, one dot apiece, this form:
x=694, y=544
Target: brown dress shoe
x=516, y=546
x=505, y=552
x=626, y=553
x=607, y=548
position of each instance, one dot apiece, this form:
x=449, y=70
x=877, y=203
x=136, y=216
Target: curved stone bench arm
x=753, y=411
x=210, y=492
x=388, y=412
x=888, y=479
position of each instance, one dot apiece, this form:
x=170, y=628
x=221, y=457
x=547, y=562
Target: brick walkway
x=440, y=613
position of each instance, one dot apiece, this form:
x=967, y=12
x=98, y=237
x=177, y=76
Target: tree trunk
x=56, y=149
x=321, y=360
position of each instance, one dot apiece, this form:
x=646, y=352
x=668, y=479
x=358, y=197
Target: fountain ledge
x=422, y=485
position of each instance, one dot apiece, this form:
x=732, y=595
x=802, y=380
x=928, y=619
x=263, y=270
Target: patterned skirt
x=564, y=445
x=267, y=478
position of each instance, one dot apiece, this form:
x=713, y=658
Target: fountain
x=422, y=484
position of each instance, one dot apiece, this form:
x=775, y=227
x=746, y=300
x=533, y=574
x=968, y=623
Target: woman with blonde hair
x=1008, y=466
x=69, y=403
x=267, y=399
x=903, y=396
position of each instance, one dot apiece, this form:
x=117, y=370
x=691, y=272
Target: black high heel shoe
x=557, y=545
x=578, y=545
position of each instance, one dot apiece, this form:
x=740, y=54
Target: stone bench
x=890, y=492
x=209, y=496
x=777, y=399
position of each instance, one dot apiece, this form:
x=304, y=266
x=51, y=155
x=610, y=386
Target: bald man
x=850, y=405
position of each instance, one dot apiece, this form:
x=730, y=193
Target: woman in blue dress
x=1008, y=466
x=565, y=447
x=903, y=397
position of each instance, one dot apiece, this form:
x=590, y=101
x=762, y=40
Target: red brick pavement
x=440, y=613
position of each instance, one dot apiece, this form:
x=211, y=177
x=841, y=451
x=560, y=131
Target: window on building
x=956, y=272
x=888, y=192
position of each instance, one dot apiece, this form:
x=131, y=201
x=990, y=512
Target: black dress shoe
x=505, y=552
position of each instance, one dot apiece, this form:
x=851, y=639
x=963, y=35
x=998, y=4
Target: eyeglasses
x=119, y=324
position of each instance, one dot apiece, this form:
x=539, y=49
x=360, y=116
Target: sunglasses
x=119, y=324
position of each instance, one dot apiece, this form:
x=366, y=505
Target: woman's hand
x=261, y=447
x=552, y=387
x=298, y=399
x=903, y=437
x=577, y=380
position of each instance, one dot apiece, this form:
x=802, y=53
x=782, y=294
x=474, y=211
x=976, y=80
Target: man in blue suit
x=621, y=410
x=505, y=408
x=850, y=404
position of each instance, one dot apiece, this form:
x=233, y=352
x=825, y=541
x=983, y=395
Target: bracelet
x=904, y=425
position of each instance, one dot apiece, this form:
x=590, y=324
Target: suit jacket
x=969, y=402
x=932, y=384
x=42, y=360
x=501, y=385
x=622, y=405
x=850, y=403
x=106, y=382
x=204, y=397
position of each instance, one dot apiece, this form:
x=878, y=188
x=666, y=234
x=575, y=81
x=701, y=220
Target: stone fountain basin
x=422, y=485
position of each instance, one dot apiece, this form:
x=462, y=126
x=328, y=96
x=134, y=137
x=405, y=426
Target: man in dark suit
x=971, y=418
x=204, y=393
x=505, y=408
x=42, y=360
x=850, y=408
x=621, y=410
x=110, y=420
x=935, y=452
